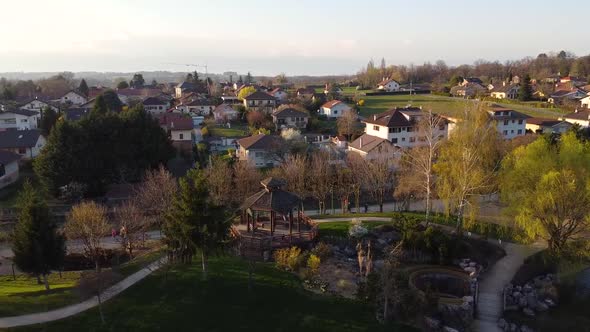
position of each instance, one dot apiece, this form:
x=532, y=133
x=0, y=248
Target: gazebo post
x=299, y=222
x=247, y=221
x=272, y=222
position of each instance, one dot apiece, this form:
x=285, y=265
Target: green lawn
x=340, y=228
x=24, y=295
x=235, y=131
x=181, y=301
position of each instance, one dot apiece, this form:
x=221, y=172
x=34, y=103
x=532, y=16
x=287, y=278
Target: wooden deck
x=255, y=243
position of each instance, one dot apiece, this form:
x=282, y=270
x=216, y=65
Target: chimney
x=374, y=117
x=504, y=83
x=172, y=125
x=360, y=143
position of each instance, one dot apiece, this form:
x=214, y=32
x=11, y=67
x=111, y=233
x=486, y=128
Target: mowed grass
x=180, y=300
x=24, y=295
x=234, y=131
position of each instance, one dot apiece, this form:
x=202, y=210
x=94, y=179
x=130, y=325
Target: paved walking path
x=74, y=309
x=491, y=285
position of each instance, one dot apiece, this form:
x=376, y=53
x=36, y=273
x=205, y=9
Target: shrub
x=205, y=132
x=357, y=230
x=361, y=102
x=322, y=250
x=313, y=265
x=288, y=258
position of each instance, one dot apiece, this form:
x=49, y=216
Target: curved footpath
x=489, y=302
x=71, y=310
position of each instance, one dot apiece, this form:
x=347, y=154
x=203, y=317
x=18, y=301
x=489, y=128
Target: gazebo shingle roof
x=272, y=198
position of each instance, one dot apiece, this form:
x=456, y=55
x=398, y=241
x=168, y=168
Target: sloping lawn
x=181, y=301
x=234, y=131
x=24, y=295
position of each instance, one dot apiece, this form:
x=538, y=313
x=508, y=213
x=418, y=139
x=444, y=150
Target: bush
x=288, y=258
x=313, y=265
x=357, y=230
x=322, y=250
x=205, y=132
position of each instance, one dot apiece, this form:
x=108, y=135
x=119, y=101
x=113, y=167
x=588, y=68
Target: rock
x=472, y=264
x=518, y=288
x=469, y=269
x=502, y=323
x=541, y=306
x=527, y=288
x=468, y=299
x=531, y=300
x=463, y=265
x=550, y=302
x=522, y=302
x=349, y=252
x=517, y=295
x=432, y=323
x=525, y=328
x=528, y=311
x=513, y=327
x=449, y=329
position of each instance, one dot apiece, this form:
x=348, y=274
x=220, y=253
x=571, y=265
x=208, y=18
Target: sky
x=268, y=37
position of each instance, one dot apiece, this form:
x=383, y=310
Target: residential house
x=199, y=106
x=305, y=93
x=155, y=105
x=184, y=88
x=37, y=105
x=331, y=88
x=279, y=94
x=469, y=90
x=334, y=109
x=260, y=101
x=471, y=80
x=504, y=91
x=179, y=129
x=564, y=96
x=547, y=126
x=372, y=147
x=231, y=100
x=585, y=102
x=576, y=81
x=509, y=122
x=388, y=85
x=290, y=117
x=19, y=119
x=224, y=113
x=340, y=141
x=76, y=113
x=399, y=126
x=8, y=168
x=26, y=143
x=260, y=150
x=580, y=117
x=73, y=97
x=130, y=95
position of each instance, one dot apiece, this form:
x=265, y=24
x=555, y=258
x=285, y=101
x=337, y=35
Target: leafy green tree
x=194, y=222
x=100, y=105
x=83, y=87
x=547, y=186
x=467, y=164
x=122, y=85
x=137, y=81
x=48, y=120
x=38, y=247
x=112, y=101
x=525, y=92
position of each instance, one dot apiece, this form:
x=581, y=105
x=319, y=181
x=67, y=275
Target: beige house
x=388, y=85
x=260, y=150
x=504, y=91
x=290, y=117
x=581, y=117
x=372, y=147
x=73, y=97
x=26, y=143
x=260, y=101
x=547, y=126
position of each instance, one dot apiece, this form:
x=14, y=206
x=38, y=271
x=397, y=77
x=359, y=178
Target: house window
x=335, y=112
x=505, y=132
x=22, y=150
x=410, y=129
x=520, y=131
x=394, y=140
x=512, y=131
x=395, y=130
x=412, y=139
x=180, y=136
x=441, y=127
x=258, y=154
x=24, y=120
x=403, y=139
x=376, y=128
x=505, y=122
x=519, y=122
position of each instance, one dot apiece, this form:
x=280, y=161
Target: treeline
x=438, y=73
x=104, y=147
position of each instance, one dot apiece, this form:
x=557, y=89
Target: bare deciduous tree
x=219, y=176
x=356, y=164
x=347, y=123
x=246, y=181
x=155, y=194
x=378, y=174
x=294, y=171
x=133, y=225
x=320, y=180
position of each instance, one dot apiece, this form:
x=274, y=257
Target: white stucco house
x=279, y=94
x=334, y=109
x=19, y=119
x=73, y=97
x=9, y=170
x=155, y=105
x=509, y=122
x=37, y=105
x=259, y=150
x=547, y=126
x=399, y=127
x=26, y=143
x=388, y=85
x=580, y=117
x=225, y=113
x=504, y=91
x=585, y=102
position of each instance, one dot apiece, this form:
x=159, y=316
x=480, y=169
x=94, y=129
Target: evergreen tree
x=137, y=81
x=38, y=247
x=194, y=222
x=249, y=78
x=525, y=92
x=122, y=85
x=100, y=105
x=114, y=104
x=48, y=120
x=84, y=87
x=240, y=80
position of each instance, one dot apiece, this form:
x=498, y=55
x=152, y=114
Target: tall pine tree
x=38, y=247
x=525, y=92
x=84, y=87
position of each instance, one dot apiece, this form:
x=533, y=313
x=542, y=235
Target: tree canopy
x=547, y=186
x=245, y=92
